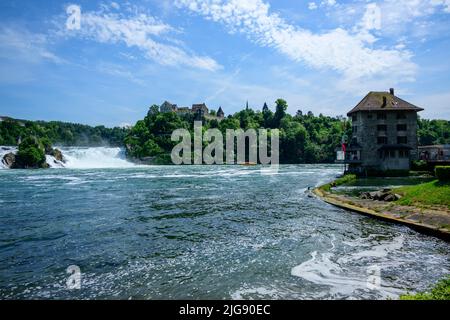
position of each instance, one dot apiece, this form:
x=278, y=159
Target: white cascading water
x=53, y=163
x=82, y=158
x=92, y=158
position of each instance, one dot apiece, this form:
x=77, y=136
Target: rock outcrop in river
x=9, y=160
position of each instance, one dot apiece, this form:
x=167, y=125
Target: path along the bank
x=433, y=220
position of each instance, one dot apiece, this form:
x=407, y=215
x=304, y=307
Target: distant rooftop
x=383, y=101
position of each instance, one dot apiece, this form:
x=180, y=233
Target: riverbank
x=440, y=291
x=423, y=207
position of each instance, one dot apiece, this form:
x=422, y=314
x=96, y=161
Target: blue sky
x=322, y=56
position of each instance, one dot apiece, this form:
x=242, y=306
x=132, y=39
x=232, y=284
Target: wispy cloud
x=406, y=18
x=349, y=52
x=119, y=71
x=140, y=30
x=20, y=44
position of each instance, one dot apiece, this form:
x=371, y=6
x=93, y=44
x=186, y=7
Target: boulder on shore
x=383, y=195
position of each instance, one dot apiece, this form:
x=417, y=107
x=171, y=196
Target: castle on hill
x=200, y=110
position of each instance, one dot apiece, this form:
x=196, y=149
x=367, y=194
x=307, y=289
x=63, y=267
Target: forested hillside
x=59, y=133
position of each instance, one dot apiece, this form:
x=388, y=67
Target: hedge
x=443, y=173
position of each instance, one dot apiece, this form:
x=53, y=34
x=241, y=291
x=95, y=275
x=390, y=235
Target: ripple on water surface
x=200, y=232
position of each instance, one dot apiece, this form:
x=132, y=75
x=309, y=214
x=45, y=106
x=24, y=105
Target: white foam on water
x=378, y=251
x=325, y=269
x=94, y=158
x=53, y=163
x=242, y=294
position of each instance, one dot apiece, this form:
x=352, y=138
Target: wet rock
x=57, y=154
x=9, y=159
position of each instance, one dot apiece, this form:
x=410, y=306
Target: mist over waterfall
x=95, y=157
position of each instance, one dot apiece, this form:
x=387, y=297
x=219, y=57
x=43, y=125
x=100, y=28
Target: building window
x=402, y=140
x=382, y=127
x=387, y=154
x=403, y=154
x=381, y=116
x=369, y=116
x=401, y=127
x=355, y=129
x=382, y=140
x=401, y=115
x=355, y=117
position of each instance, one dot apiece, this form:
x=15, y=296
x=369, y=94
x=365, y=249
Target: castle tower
x=220, y=113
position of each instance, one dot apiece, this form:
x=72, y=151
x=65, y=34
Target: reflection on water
x=199, y=232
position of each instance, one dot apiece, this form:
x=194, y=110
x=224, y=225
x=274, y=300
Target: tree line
x=60, y=133
x=304, y=137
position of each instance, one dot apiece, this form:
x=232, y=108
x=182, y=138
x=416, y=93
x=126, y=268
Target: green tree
x=280, y=112
x=31, y=154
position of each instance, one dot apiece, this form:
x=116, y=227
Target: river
x=198, y=232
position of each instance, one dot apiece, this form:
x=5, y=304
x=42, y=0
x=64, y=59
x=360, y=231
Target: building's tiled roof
x=374, y=101
x=198, y=105
x=167, y=104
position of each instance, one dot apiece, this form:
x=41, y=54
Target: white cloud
x=372, y=17
x=346, y=52
x=116, y=70
x=139, y=30
x=115, y=5
x=312, y=6
x=330, y=3
x=398, y=17
x=20, y=44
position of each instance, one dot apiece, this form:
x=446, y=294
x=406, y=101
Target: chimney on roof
x=391, y=91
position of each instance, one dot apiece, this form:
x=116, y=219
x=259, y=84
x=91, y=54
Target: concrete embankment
x=431, y=221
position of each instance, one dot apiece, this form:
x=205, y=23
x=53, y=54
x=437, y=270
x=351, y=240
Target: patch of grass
x=430, y=193
x=441, y=291
x=338, y=182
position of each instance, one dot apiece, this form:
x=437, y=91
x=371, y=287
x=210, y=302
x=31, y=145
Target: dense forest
x=433, y=132
x=60, y=133
x=304, y=137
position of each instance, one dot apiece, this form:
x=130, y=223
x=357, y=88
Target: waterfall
x=82, y=158
x=98, y=157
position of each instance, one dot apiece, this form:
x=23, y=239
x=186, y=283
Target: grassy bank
x=441, y=291
x=338, y=182
x=434, y=193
